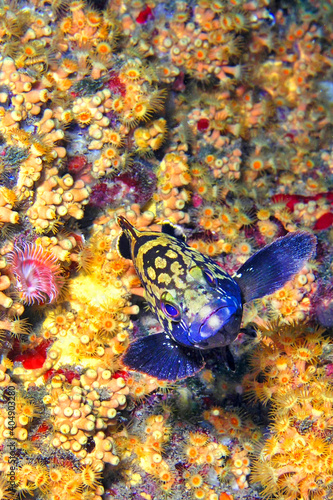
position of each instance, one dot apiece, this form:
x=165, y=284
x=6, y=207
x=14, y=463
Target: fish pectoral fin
x=275, y=264
x=159, y=356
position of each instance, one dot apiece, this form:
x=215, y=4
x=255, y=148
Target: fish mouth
x=219, y=327
x=215, y=323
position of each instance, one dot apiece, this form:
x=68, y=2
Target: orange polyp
x=200, y=494
x=103, y=48
x=29, y=51
x=245, y=248
x=80, y=24
x=235, y=422
x=84, y=118
x=166, y=476
x=192, y=452
x=196, y=480
x=257, y=165
x=133, y=74
x=200, y=54
x=211, y=249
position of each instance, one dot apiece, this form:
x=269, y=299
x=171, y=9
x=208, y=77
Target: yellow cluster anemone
x=297, y=458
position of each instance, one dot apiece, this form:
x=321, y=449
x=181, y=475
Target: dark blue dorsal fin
x=123, y=246
x=275, y=264
x=172, y=230
x=159, y=356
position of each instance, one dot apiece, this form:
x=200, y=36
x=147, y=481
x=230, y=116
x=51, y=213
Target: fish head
x=207, y=313
x=198, y=304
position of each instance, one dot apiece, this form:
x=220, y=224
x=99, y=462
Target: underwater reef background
x=214, y=115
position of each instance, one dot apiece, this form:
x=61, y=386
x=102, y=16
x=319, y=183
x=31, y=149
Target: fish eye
x=209, y=277
x=170, y=309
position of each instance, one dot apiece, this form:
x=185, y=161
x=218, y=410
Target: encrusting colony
x=297, y=460
x=215, y=115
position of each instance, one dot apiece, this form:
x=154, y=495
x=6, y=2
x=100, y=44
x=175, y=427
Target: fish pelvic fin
x=159, y=356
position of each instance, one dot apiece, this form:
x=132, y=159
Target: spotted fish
x=198, y=304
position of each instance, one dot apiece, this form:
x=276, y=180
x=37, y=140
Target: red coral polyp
x=202, y=124
x=145, y=15
x=37, y=274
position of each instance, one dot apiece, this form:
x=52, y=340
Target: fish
x=197, y=303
